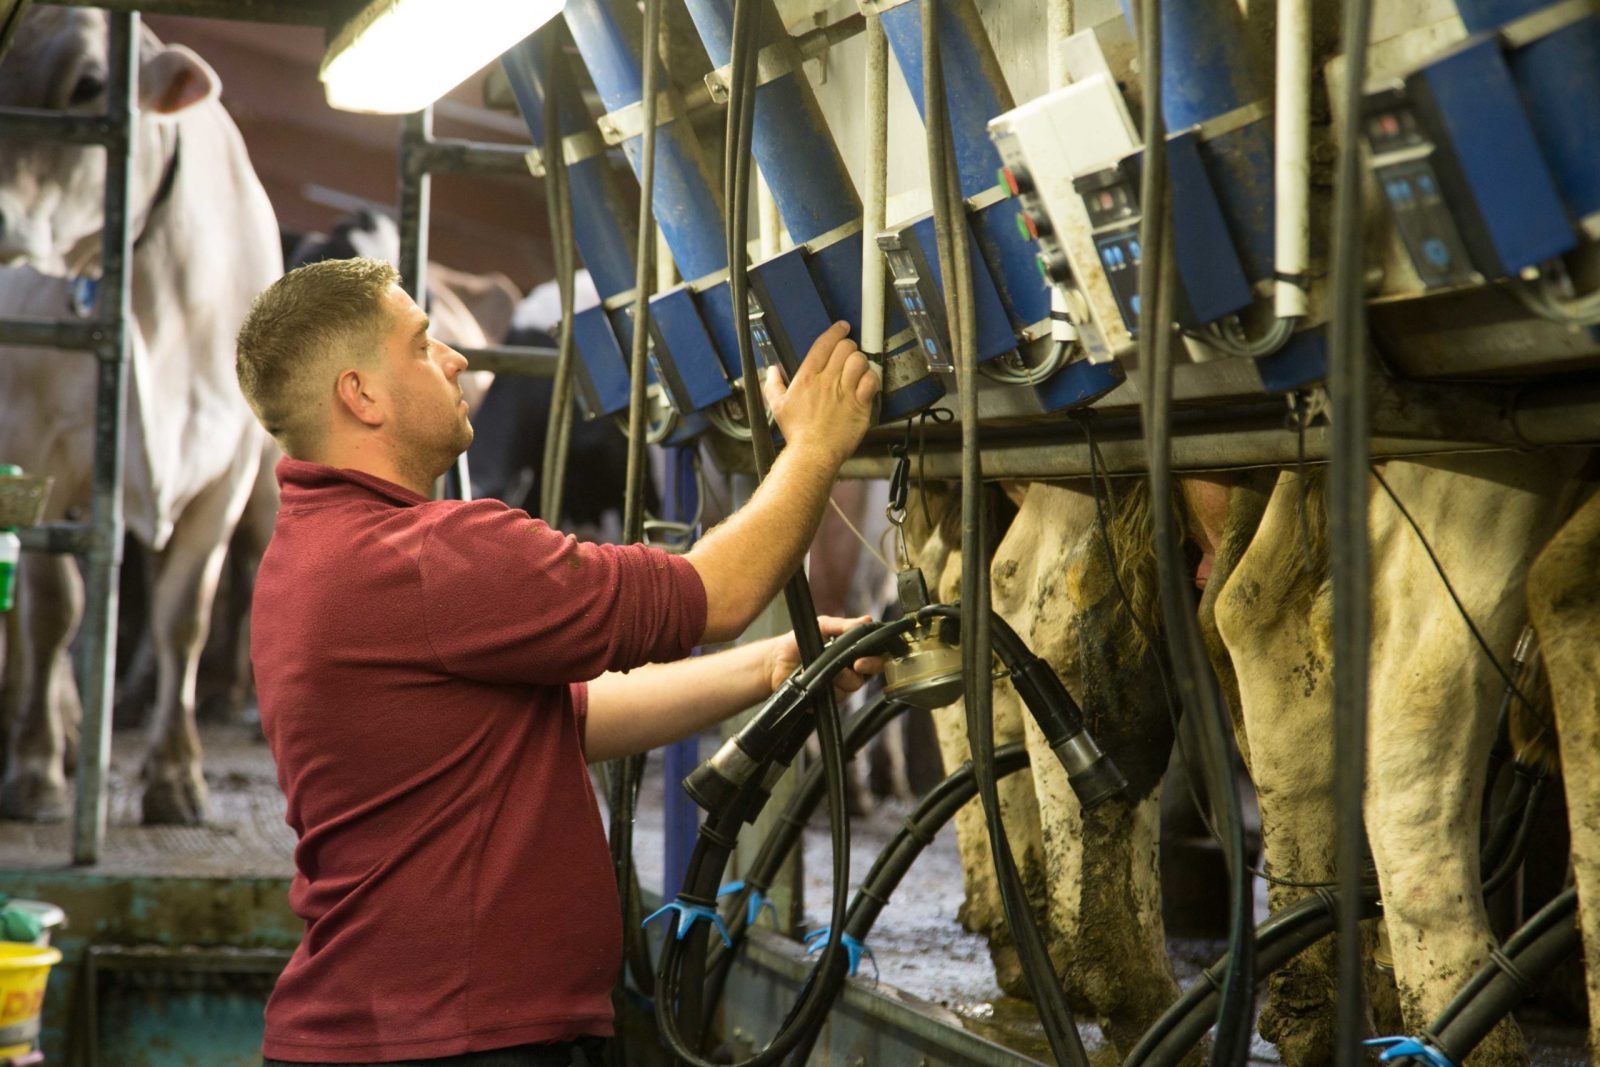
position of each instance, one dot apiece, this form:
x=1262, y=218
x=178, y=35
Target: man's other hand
x=827, y=408
x=784, y=657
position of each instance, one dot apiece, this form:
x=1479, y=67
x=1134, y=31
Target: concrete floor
x=919, y=947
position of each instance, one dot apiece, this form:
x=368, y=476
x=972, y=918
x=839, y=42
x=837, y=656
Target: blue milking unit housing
x=1483, y=154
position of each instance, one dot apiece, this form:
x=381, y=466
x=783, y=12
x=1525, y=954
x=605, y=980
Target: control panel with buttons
x=1044, y=144
x=1404, y=162
x=1111, y=198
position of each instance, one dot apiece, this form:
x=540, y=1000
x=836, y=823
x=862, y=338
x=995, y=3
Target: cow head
x=51, y=195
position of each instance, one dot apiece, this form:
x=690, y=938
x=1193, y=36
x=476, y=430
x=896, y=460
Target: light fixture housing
x=393, y=57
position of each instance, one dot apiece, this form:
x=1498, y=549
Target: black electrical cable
x=935, y=809
x=1197, y=685
x=624, y=775
x=951, y=238
x=1349, y=462
x=558, y=200
x=739, y=132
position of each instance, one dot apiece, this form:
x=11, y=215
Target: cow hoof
x=1302, y=1040
x=180, y=802
x=35, y=797
x=1008, y=971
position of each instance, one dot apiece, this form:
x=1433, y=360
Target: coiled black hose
x=936, y=809
x=783, y=838
x=1292, y=930
x=682, y=962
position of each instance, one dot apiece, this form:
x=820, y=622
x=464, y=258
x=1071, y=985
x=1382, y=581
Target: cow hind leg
x=1269, y=614
x=187, y=572
x=1564, y=598
x=45, y=711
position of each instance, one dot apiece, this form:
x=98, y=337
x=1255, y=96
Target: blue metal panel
x=1212, y=279
x=1299, y=363
x=836, y=270
x=795, y=316
x=604, y=365
x=1469, y=99
x=791, y=142
x=603, y=223
x=687, y=207
x=1560, y=78
x=1013, y=263
x=1208, y=67
x=687, y=210
x=995, y=335
x=1077, y=384
x=1239, y=163
x=975, y=88
x=683, y=355
x=716, y=311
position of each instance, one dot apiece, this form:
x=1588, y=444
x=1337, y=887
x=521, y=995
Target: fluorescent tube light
x=398, y=56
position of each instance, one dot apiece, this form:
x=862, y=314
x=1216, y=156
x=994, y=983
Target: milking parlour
x=656, y=532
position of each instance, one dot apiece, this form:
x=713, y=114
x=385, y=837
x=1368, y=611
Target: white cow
x=1564, y=598
x=1095, y=874
x=206, y=243
x=1432, y=698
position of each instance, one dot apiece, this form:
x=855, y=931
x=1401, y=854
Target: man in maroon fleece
x=433, y=676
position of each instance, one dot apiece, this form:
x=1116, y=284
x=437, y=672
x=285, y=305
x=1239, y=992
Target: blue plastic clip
x=689, y=915
x=855, y=949
x=754, y=906
x=1410, y=1048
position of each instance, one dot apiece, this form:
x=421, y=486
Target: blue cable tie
x=853, y=948
x=1410, y=1048
x=754, y=906
x=690, y=914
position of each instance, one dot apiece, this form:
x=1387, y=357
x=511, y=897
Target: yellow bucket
x=23, y=972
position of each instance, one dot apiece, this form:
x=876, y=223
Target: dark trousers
x=584, y=1052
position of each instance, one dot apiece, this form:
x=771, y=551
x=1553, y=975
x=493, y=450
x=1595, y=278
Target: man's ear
x=356, y=392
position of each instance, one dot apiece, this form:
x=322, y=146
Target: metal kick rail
x=98, y=542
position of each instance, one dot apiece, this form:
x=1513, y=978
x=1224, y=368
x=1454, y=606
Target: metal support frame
x=97, y=543
x=421, y=156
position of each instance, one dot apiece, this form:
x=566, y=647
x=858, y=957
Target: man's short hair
x=297, y=329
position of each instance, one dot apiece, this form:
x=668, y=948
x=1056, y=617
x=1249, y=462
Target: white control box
x=1045, y=144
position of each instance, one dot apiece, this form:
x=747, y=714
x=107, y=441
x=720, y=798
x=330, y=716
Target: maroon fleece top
x=420, y=667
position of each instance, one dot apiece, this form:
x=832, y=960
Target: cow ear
x=174, y=80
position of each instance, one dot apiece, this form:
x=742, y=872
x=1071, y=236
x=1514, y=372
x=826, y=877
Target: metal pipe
x=103, y=562
x=1292, y=173
x=32, y=124
x=43, y=333
x=874, y=205
x=416, y=194
x=452, y=154
x=527, y=362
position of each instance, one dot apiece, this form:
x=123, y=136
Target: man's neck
x=380, y=464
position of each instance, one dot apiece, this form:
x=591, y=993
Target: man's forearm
x=745, y=561
x=661, y=703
